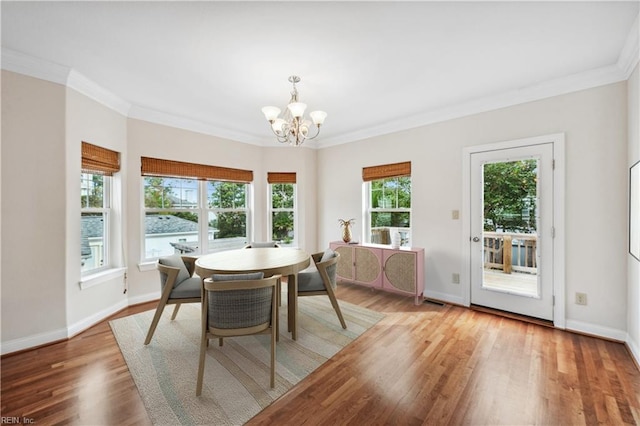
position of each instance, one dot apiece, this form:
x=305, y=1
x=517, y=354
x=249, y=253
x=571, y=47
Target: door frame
x=558, y=142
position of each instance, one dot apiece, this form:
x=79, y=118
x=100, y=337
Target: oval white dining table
x=271, y=261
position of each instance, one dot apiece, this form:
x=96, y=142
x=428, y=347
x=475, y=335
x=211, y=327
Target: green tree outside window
x=510, y=201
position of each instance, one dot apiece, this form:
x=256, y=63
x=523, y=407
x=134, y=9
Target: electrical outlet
x=581, y=298
x=455, y=214
x=455, y=278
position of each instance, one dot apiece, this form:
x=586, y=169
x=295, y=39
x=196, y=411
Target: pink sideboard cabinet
x=379, y=266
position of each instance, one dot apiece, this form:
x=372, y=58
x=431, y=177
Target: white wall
x=33, y=211
x=633, y=266
x=90, y=121
x=595, y=124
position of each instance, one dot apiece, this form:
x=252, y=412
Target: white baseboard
x=633, y=347
x=33, y=341
x=78, y=327
x=92, y=320
x=444, y=297
x=596, y=330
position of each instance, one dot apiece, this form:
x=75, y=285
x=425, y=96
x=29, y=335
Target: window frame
x=202, y=210
x=369, y=210
x=271, y=210
x=105, y=210
x=247, y=211
x=146, y=211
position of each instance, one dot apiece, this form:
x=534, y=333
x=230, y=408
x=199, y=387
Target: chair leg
x=278, y=304
x=154, y=323
x=279, y=290
x=203, y=352
x=175, y=311
x=273, y=357
x=336, y=307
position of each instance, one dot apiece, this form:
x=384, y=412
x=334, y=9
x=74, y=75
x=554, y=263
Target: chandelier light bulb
x=278, y=126
x=271, y=112
x=318, y=117
x=297, y=109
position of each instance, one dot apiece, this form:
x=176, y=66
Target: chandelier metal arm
x=316, y=135
x=281, y=138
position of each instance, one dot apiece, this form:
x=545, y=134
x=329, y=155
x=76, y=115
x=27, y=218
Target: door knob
x=476, y=239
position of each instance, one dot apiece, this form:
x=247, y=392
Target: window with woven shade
x=98, y=165
x=388, y=209
x=194, y=208
x=282, y=207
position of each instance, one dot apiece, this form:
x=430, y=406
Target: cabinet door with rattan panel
x=403, y=272
x=359, y=264
x=344, y=267
x=368, y=270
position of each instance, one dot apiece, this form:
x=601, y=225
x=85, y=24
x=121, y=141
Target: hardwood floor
x=425, y=364
x=83, y=381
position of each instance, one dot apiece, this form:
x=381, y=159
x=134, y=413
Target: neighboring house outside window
x=282, y=208
x=388, y=210
x=172, y=213
x=193, y=214
x=98, y=166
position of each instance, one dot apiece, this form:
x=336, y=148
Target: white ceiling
x=374, y=67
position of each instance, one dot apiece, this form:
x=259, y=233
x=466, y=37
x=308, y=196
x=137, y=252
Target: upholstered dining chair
x=267, y=244
x=238, y=305
x=178, y=285
x=321, y=280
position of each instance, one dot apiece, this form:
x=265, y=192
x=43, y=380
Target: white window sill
x=147, y=266
x=102, y=277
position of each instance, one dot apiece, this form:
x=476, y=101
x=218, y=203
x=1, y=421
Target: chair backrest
x=327, y=263
x=265, y=244
x=175, y=269
x=239, y=301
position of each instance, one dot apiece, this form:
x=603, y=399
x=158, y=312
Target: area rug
x=236, y=377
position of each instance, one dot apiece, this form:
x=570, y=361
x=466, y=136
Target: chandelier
x=292, y=127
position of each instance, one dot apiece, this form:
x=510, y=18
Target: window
x=171, y=219
x=192, y=208
x=282, y=208
x=98, y=166
x=95, y=200
x=388, y=195
x=227, y=212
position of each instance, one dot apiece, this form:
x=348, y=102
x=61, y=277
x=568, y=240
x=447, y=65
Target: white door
x=512, y=229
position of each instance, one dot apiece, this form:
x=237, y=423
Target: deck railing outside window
x=510, y=252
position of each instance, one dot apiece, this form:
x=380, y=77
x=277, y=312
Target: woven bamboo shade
x=386, y=171
x=170, y=168
x=281, y=177
x=98, y=160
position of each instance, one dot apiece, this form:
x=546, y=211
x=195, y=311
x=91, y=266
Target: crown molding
x=547, y=89
x=630, y=53
x=42, y=69
x=35, y=67
x=98, y=93
x=159, y=117
x=22, y=63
